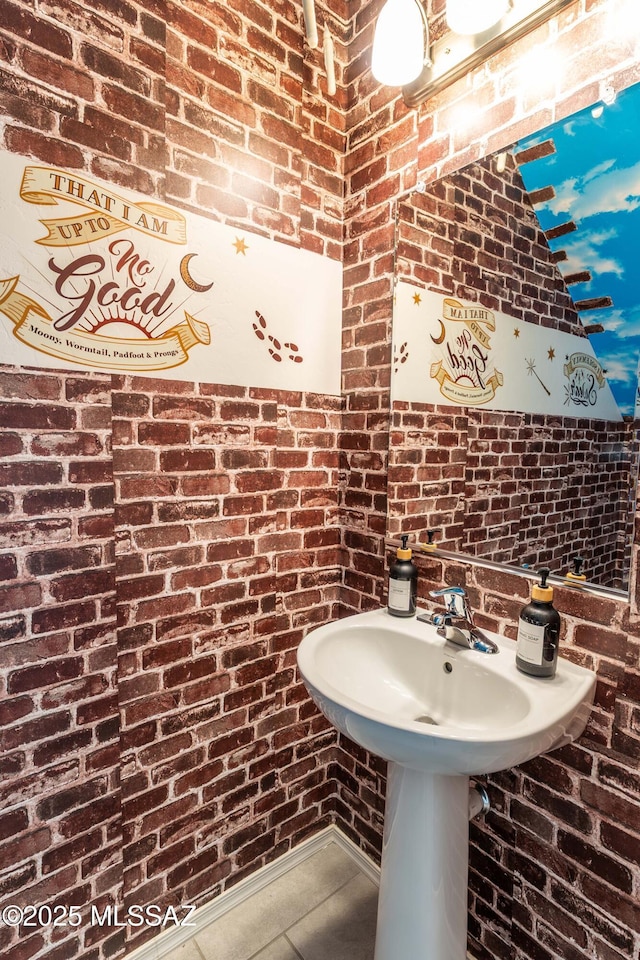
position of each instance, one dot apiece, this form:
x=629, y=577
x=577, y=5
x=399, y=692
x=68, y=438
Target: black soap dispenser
x=403, y=583
x=539, y=632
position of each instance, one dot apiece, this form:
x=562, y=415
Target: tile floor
x=322, y=909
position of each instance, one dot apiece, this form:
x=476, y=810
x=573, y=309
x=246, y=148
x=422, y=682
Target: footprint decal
x=400, y=357
x=276, y=348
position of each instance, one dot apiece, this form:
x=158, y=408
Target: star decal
x=551, y=353
x=240, y=245
x=516, y=332
x=417, y=299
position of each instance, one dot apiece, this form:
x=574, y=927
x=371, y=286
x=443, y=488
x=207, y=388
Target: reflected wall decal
x=450, y=351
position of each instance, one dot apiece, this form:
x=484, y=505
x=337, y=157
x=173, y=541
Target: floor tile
x=341, y=928
x=252, y=925
x=188, y=951
x=280, y=949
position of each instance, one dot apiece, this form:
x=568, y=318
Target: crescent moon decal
x=188, y=279
x=443, y=333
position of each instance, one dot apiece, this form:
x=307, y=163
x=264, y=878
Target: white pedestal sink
x=439, y=714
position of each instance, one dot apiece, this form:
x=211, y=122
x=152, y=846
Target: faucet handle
x=455, y=601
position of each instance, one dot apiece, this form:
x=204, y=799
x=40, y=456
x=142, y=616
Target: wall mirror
x=516, y=338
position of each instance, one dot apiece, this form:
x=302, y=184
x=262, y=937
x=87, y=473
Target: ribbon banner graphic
x=109, y=213
x=34, y=327
x=586, y=362
x=464, y=393
x=585, y=378
x=473, y=317
x=117, y=285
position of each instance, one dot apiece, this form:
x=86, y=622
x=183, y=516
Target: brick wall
x=226, y=526
x=475, y=235
x=159, y=756
x=513, y=488
x=428, y=456
x=60, y=801
x=220, y=108
x=501, y=256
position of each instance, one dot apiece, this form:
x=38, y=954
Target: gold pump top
x=540, y=591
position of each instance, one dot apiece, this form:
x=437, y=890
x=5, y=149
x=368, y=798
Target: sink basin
x=398, y=689
x=438, y=713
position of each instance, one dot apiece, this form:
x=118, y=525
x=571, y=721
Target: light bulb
x=474, y=16
x=399, y=43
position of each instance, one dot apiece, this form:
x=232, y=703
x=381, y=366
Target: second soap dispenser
x=403, y=583
x=539, y=632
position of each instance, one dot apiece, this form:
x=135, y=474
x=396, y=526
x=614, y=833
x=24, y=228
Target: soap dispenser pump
x=576, y=577
x=403, y=583
x=430, y=544
x=539, y=632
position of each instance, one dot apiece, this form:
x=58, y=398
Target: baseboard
x=363, y=862
x=174, y=937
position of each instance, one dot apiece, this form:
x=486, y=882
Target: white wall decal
x=96, y=277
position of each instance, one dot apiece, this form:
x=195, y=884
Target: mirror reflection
x=515, y=352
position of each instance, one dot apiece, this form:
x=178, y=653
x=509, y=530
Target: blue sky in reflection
x=595, y=172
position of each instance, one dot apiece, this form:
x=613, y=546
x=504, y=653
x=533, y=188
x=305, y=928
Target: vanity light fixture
x=400, y=43
x=469, y=16
x=455, y=55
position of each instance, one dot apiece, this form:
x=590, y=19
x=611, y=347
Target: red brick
x=52, y=750
x=11, y=444
x=13, y=823
x=36, y=677
x=83, y=584
x=164, y=434
x=45, y=562
x=61, y=617
x=99, y=811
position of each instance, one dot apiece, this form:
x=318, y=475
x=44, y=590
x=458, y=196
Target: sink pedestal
x=422, y=906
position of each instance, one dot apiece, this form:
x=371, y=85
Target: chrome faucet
x=456, y=623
